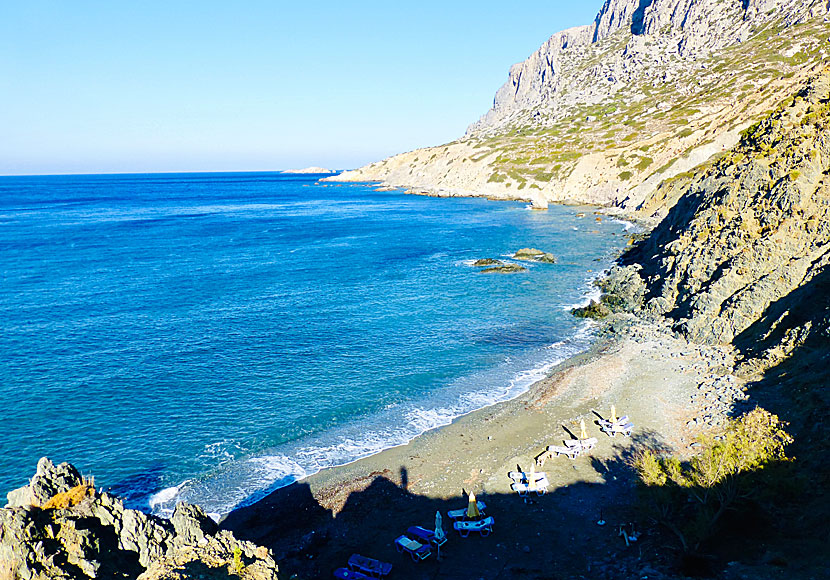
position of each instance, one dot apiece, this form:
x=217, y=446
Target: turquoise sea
x=209, y=337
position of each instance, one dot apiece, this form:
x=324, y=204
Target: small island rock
x=488, y=262
x=534, y=255
x=504, y=269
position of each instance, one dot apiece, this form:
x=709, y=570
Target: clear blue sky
x=112, y=86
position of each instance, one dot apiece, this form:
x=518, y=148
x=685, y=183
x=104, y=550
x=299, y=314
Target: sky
x=254, y=85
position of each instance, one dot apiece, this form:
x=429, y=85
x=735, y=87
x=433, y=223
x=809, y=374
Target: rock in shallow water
x=534, y=255
x=504, y=269
x=488, y=262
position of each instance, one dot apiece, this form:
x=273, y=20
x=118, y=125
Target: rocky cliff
x=603, y=113
x=745, y=233
x=59, y=526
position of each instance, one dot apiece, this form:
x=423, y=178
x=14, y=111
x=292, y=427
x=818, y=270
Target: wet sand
x=648, y=374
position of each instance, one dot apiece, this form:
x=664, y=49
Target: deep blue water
x=208, y=336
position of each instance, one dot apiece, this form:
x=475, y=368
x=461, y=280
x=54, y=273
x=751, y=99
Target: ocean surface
x=209, y=337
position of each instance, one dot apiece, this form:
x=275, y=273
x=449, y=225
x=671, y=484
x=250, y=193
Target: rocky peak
x=560, y=73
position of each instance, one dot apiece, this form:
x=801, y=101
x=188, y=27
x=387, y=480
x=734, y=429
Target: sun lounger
x=415, y=549
x=523, y=488
x=557, y=450
x=483, y=527
x=608, y=423
x=346, y=574
x=584, y=445
x=425, y=535
x=613, y=428
x=462, y=513
x=369, y=566
x=521, y=476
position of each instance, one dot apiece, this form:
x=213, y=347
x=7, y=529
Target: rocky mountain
x=59, y=526
x=603, y=113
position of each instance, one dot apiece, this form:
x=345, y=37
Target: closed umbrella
x=439, y=529
x=583, y=433
x=472, y=508
x=531, y=479
x=613, y=414
x=439, y=535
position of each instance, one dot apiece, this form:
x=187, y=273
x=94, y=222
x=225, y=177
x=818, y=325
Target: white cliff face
x=683, y=30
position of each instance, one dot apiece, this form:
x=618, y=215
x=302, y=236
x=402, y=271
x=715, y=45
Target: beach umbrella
x=613, y=414
x=531, y=479
x=583, y=433
x=472, y=508
x=439, y=534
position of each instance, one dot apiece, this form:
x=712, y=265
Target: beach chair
x=584, y=445
x=425, y=536
x=346, y=574
x=557, y=450
x=415, y=549
x=462, y=513
x=483, y=527
x=517, y=476
x=369, y=566
x=613, y=428
x=521, y=476
x=523, y=488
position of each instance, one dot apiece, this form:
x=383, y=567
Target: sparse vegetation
x=690, y=497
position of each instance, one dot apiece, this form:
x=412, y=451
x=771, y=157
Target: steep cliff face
x=689, y=30
x=604, y=113
x=744, y=253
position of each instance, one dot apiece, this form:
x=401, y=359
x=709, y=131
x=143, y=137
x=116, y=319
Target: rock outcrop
x=748, y=236
x=59, y=526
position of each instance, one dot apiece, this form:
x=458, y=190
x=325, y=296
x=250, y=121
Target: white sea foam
x=626, y=224
x=238, y=483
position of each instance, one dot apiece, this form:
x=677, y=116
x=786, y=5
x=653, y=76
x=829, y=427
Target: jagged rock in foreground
x=59, y=526
x=747, y=238
x=603, y=113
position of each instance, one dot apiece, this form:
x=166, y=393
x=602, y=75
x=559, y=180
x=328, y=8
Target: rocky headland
x=60, y=526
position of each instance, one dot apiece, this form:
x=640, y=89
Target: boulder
x=534, y=255
x=487, y=262
x=504, y=269
x=97, y=537
x=47, y=482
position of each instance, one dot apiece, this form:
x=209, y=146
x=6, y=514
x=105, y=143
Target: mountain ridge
x=623, y=111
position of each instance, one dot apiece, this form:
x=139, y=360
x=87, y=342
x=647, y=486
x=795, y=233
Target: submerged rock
x=504, y=269
x=534, y=255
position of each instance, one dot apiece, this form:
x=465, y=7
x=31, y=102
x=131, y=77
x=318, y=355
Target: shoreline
x=642, y=368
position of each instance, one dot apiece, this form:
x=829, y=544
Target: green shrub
x=690, y=497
